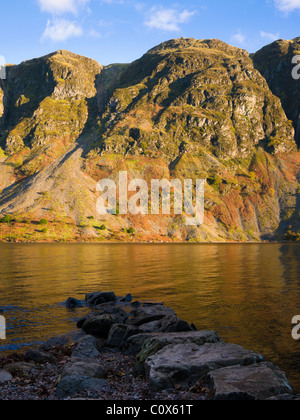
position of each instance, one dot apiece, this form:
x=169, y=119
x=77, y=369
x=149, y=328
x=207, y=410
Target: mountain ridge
x=187, y=109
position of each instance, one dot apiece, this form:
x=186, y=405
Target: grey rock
x=157, y=342
x=134, y=344
x=150, y=327
x=100, y=326
x=258, y=382
x=119, y=333
x=19, y=367
x=171, y=323
x=38, y=357
x=119, y=312
x=88, y=368
x=185, y=364
x=72, y=385
x=148, y=314
x=86, y=348
x=5, y=376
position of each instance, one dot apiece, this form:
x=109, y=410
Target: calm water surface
x=248, y=293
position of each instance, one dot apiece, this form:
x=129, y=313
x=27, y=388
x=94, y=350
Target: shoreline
x=122, y=351
x=167, y=242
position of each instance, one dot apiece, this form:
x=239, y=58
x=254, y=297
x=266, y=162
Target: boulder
x=74, y=303
x=19, y=368
x=156, y=342
x=81, y=321
x=69, y=386
x=86, y=348
x=88, y=368
x=148, y=314
x=39, y=357
x=259, y=382
x=171, y=323
x=119, y=333
x=150, y=327
x=134, y=344
x=113, y=311
x=5, y=376
x=100, y=325
x=185, y=364
x=94, y=299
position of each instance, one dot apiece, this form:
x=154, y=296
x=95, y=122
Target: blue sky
x=113, y=31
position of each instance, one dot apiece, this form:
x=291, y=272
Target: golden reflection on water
x=248, y=293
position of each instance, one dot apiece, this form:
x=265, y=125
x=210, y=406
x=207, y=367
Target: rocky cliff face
x=187, y=109
x=45, y=100
x=188, y=95
x=275, y=62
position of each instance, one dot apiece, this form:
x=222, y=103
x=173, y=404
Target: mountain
x=275, y=62
x=188, y=109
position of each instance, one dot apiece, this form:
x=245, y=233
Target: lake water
x=248, y=293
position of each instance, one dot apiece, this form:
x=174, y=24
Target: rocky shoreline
x=130, y=350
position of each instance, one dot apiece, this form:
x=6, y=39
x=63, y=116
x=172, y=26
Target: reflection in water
x=248, y=293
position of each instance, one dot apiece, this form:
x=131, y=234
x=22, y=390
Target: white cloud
x=238, y=38
x=287, y=5
x=61, y=30
x=59, y=7
x=269, y=36
x=167, y=19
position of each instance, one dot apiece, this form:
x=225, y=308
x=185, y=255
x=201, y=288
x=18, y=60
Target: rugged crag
x=187, y=109
x=276, y=62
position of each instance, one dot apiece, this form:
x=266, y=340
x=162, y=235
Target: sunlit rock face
x=277, y=63
x=188, y=109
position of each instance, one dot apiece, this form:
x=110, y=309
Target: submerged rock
x=55, y=342
x=94, y=299
x=127, y=298
x=74, y=303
